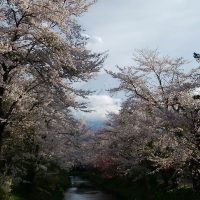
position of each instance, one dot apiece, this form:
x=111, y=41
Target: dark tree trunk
x=2, y=124
x=194, y=162
x=196, y=182
x=2, y=128
x=194, y=167
x=2, y=109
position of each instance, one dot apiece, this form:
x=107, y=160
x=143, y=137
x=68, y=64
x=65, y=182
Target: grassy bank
x=50, y=186
x=46, y=186
x=142, y=190
x=5, y=196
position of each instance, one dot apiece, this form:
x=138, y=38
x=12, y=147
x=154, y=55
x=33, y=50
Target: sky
x=122, y=26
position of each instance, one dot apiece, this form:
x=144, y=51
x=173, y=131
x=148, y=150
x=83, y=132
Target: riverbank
x=140, y=190
x=50, y=185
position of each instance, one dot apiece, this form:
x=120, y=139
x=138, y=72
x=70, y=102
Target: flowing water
x=84, y=190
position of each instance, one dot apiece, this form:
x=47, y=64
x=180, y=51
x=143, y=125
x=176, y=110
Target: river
x=82, y=189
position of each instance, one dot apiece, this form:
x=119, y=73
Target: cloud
x=123, y=26
x=96, y=39
x=93, y=39
x=102, y=105
x=94, y=42
x=171, y=26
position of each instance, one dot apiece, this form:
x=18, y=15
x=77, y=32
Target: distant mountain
x=95, y=125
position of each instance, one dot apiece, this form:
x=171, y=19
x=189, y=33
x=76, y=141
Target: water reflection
x=84, y=190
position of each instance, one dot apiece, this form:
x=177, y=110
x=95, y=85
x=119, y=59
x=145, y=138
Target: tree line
x=42, y=54
x=157, y=131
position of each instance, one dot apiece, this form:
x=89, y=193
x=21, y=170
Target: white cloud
x=94, y=42
x=171, y=26
x=102, y=105
x=96, y=39
x=93, y=39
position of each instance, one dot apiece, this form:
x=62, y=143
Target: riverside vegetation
x=49, y=185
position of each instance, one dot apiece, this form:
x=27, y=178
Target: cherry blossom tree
x=42, y=51
x=159, y=122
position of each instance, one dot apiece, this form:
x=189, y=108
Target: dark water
x=83, y=190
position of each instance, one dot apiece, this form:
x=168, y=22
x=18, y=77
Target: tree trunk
x=196, y=181
x=194, y=167
x=2, y=124
x=2, y=128
x=2, y=109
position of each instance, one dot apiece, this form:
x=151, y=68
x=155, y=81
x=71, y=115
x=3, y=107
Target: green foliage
x=41, y=185
x=15, y=197
x=2, y=194
x=140, y=190
x=49, y=185
x=180, y=193
x=5, y=196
